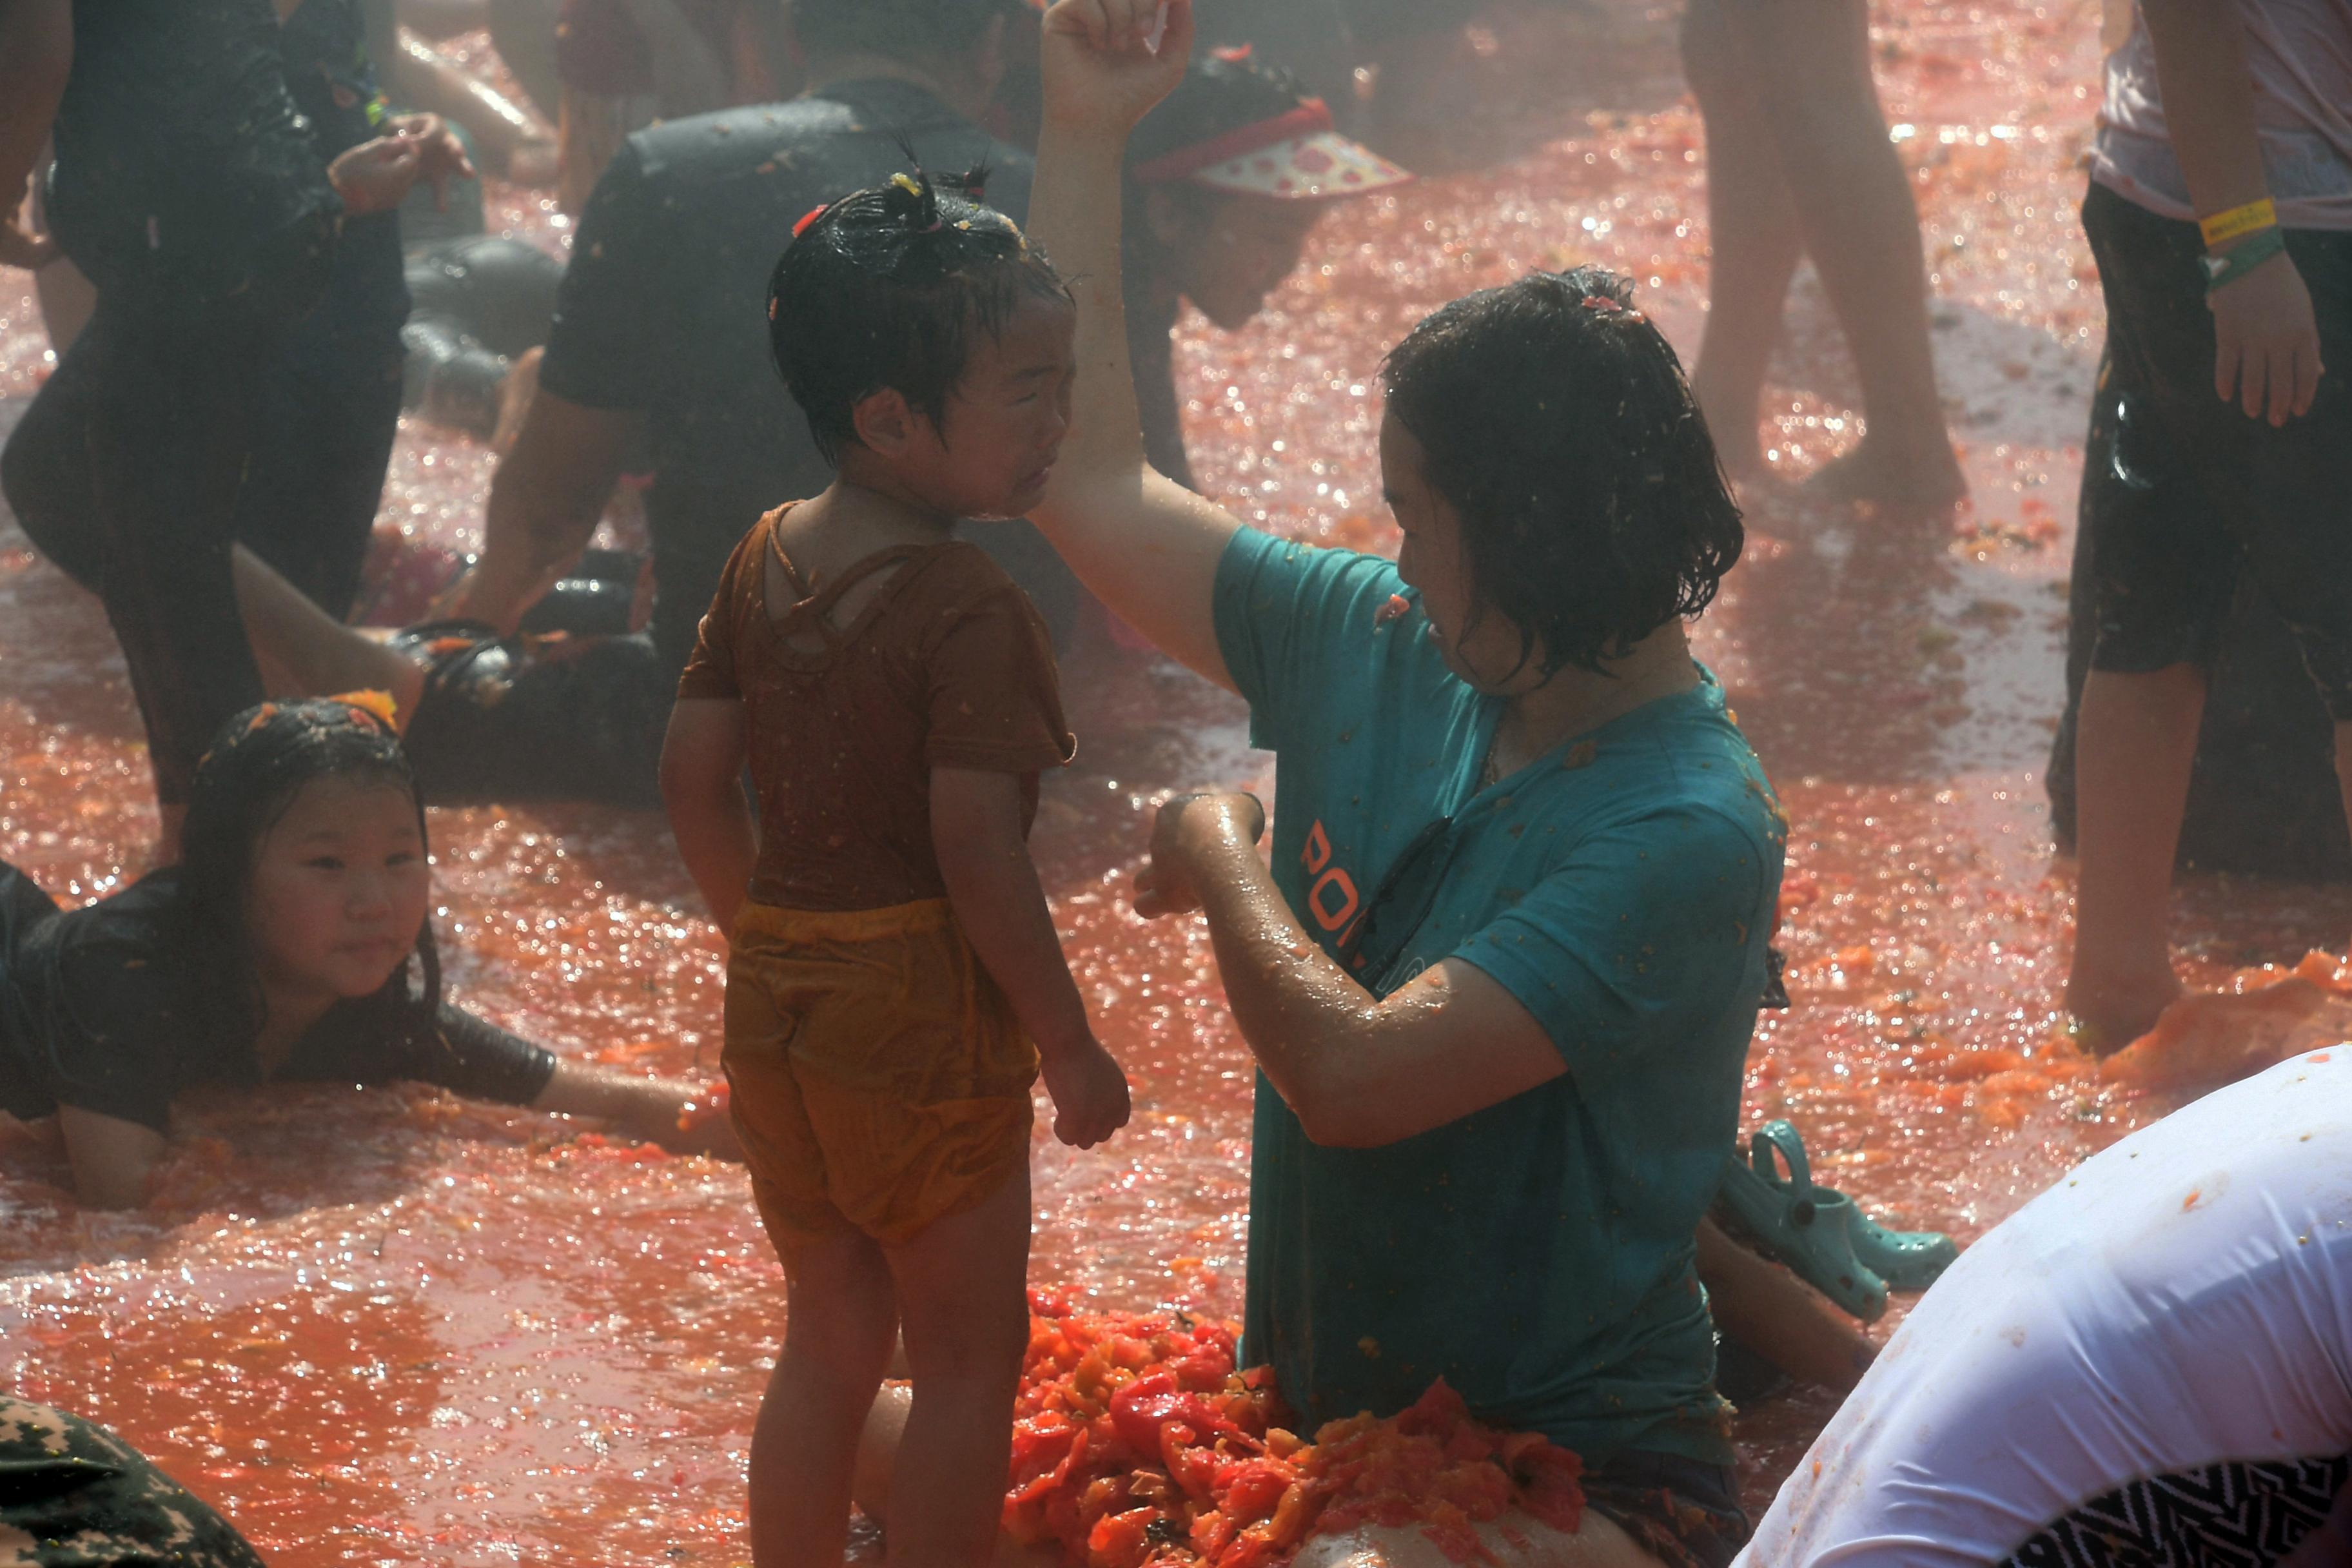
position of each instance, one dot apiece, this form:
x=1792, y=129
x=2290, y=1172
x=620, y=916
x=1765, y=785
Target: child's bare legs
x=838, y=1331
x=2134, y=745
x=963, y=1306
x=1808, y=64
x=305, y=652
x=1752, y=227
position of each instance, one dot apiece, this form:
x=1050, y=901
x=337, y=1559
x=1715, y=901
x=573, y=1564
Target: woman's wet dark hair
x=260, y=760
x=1557, y=423
x=885, y=288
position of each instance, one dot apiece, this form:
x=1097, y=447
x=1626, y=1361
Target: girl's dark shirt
x=99, y=1010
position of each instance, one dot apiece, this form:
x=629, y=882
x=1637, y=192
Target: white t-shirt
x=2300, y=54
x=2181, y=1300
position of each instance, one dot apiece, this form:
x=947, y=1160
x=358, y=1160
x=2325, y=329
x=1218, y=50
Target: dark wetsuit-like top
x=179, y=147
x=188, y=188
x=100, y=1009
x=331, y=408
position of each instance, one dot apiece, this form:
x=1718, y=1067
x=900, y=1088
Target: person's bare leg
x=1751, y=233
x=1810, y=59
x=305, y=652
x=1779, y=1316
x=837, y=1334
x=963, y=1305
x=2134, y=745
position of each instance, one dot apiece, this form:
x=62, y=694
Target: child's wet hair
x=1556, y=421
x=259, y=763
x=886, y=289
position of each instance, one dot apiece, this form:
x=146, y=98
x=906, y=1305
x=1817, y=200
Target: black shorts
x=2198, y=490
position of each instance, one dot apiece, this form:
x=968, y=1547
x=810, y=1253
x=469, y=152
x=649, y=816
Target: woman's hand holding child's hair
x=1166, y=886
x=1101, y=73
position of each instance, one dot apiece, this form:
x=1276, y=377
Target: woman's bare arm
x=1359, y=1071
x=1145, y=545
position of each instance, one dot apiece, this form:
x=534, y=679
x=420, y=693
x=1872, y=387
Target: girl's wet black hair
x=884, y=289
x=1556, y=421
x=258, y=763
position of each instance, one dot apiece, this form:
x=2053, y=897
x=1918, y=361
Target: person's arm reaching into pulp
x=993, y=884
x=702, y=785
x=2265, y=337
x=1145, y=545
x=1359, y=1071
x=545, y=502
x=656, y=1110
x=36, y=48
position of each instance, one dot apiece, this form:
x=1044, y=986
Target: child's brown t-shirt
x=946, y=665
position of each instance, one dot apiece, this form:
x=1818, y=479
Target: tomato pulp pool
x=386, y=1328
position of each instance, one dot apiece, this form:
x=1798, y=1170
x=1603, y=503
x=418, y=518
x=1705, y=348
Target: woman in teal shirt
x=1501, y=975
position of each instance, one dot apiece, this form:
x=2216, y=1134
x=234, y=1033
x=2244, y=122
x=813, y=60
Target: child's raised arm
x=702, y=785
x=993, y=884
x=1148, y=547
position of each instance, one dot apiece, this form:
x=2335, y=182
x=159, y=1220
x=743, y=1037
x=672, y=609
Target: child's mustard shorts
x=875, y=1073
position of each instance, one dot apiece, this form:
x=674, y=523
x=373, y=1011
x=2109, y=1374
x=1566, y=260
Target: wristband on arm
x=2238, y=220
x=2220, y=271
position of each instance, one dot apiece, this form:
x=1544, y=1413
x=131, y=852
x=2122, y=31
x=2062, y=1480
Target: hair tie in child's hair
x=1602, y=305
x=808, y=221
x=371, y=706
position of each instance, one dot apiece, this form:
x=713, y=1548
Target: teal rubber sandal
x=1809, y=1229
x=1906, y=1259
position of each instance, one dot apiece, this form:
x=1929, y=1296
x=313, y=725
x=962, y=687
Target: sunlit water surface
x=389, y=1328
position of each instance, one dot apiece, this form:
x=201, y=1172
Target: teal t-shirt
x=1538, y=1255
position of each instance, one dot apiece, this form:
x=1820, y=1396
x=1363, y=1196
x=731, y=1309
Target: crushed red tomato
x=1139, y=1443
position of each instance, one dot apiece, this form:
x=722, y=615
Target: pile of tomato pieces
x=1138, y=1444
